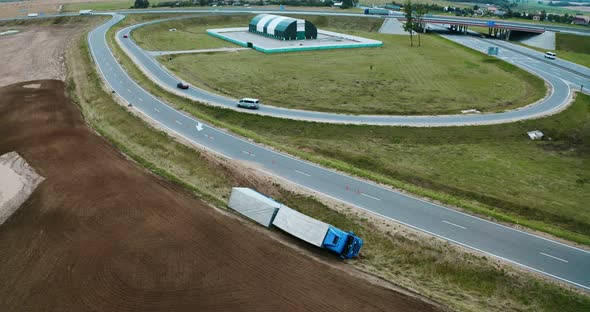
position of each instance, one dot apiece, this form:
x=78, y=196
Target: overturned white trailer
x=266, y=211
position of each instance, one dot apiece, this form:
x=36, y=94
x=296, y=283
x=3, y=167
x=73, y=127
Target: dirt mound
x=17, y=181
x=103, y=234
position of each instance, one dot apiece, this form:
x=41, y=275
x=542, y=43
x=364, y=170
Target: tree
x=141, y=4
x=419, y=11
x=409, y=24
x=346, y=4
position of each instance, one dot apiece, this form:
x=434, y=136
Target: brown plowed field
x=102, y=234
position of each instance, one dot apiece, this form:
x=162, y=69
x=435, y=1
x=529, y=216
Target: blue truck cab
x=345, y=244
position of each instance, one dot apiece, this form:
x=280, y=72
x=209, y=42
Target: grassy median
x=439, y=78
x=429, y=266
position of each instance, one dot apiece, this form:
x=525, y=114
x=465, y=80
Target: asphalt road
x=548, y=257
x=558, y=76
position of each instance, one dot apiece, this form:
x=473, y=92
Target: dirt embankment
x=101, y=233
x=17, y=181
x=36, y=52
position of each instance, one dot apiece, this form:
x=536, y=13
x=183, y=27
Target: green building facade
x=282, y=27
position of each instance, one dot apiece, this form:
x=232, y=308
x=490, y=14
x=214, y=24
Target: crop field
x=100, y=5
x=437, y=78
x=437, y=2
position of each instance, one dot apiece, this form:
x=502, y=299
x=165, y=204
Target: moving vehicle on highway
x=377, y=11
x=125, y=36
x=182, y=85
x=550, y=55
x=249, y=103
x=85, y=12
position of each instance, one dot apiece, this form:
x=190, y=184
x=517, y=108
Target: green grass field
x=431, y=267
x=437, y=2
x=190, y=34
x=570, y=47
x=491, y=170
x=533, y=6
x=438, y=78
x=99, y=5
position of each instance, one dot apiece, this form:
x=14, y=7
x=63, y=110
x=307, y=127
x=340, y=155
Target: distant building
x=282, y=27
x=581, y=20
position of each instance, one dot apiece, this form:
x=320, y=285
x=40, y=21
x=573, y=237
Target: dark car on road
x=125, y=36
x=182, y=85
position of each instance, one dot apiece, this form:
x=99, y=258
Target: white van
x=550, y=55
x=249, y=103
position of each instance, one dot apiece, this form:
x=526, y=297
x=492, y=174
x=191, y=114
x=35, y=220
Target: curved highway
x=558, y=77
x=554, y=259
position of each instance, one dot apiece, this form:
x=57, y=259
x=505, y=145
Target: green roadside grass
x=428, y=266
x=573, y=48
x=442, y=3
x=393, y=79
x=493, y=171
x=100, y=5
x=190, y=34
x=573, y=43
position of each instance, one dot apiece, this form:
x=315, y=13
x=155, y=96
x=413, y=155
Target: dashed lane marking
x=454, y=224
x=375, y=198
x=554, y=257
x=303, y=173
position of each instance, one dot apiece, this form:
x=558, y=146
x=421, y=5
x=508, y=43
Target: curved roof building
x=282, y=27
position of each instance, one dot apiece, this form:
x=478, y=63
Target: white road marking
x=249, y=153
x=453, y=224
x=554, y=257
x=199, y=126
x=128, y=90
x=156, y=110
x=178, y=122
x=140, y=99
x=375, y=198
x=303, y=173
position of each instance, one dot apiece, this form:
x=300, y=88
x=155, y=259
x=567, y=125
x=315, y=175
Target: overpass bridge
x=500, y=29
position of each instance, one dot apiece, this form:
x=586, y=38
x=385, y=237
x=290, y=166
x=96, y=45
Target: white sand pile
x=32, y=86
x=17, y=182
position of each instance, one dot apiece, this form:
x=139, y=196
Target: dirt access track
x=103, y=234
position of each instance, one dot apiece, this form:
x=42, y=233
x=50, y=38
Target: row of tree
x=414, y=13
